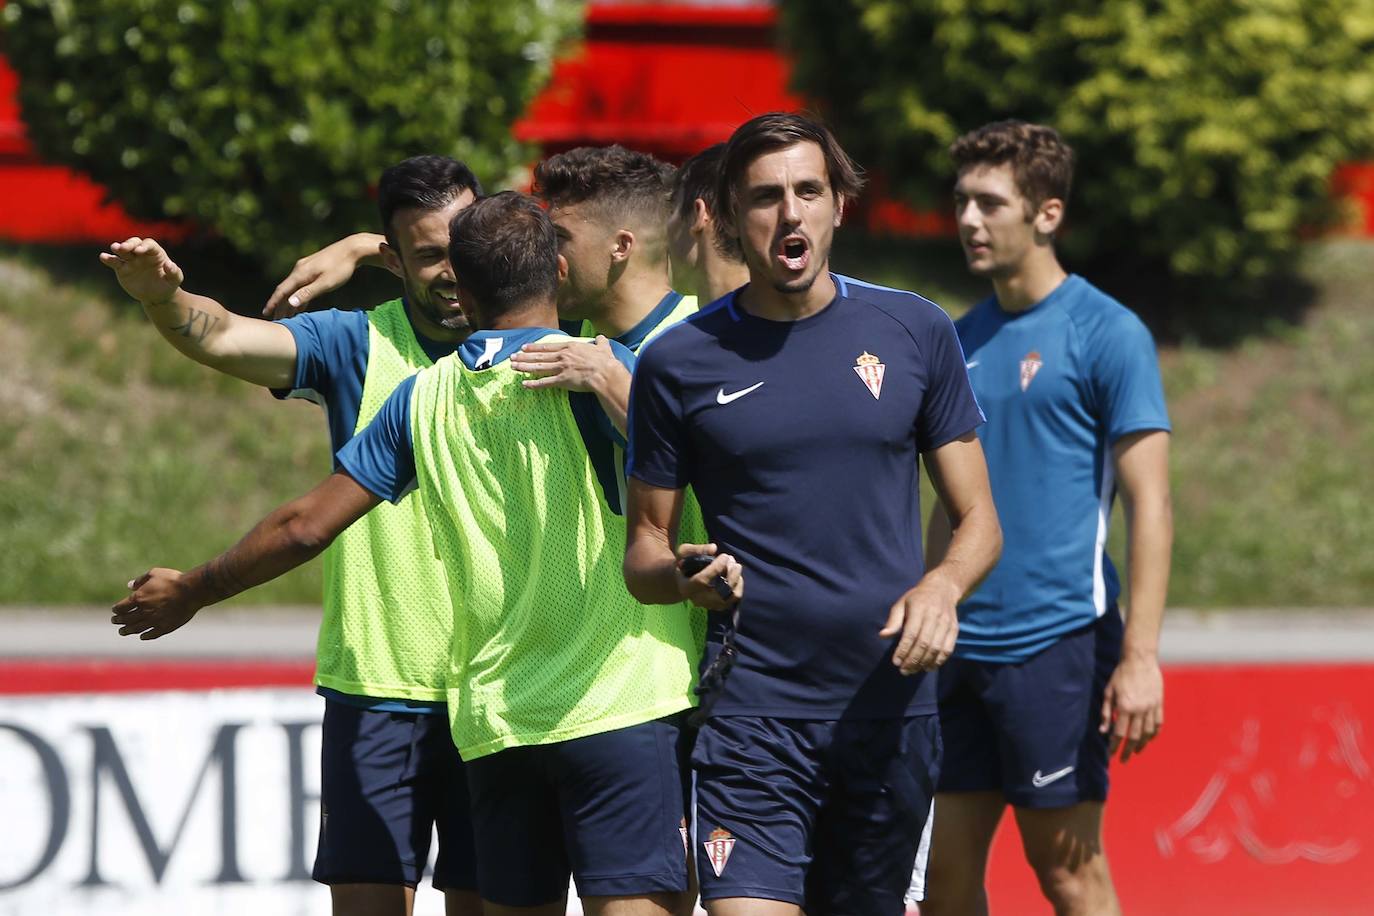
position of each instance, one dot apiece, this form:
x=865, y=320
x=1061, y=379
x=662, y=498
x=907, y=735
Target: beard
x=799, y=285
x=435, y=309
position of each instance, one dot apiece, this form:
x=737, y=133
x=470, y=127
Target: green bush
x=1207, y=130
x=266, y=121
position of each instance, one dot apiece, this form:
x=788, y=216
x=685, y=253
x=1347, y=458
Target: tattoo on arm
x=197, y=325
x=221, y=580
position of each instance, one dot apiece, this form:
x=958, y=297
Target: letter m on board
x=107, y=759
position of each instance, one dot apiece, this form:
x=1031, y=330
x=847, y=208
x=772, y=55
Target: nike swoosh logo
x=970, y=365
x=1041, y=781
x=723, y=398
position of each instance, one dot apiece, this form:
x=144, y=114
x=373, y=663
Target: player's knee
x=1081, y=886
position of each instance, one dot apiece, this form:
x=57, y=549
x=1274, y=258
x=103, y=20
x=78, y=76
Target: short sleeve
x=949, y=408
x=331, y=351
x=1124, y=369
x=657, y=429
x=382, y=457
x=626, y=358
x=586, y=407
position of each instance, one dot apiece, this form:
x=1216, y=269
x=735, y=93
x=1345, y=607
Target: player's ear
x=701, y=216
x=622, y=244
x=839, y=209
x=562, y=270
x=1049, y=216
x=392, y=260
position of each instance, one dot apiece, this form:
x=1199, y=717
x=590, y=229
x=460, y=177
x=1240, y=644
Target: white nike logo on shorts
x=723, y=398
x=1041, y=781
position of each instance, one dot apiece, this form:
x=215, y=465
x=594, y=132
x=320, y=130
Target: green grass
x=1272, y=466
x=119, y=454
x=1273, y=448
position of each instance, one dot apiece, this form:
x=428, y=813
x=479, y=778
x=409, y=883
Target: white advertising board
x=162, y=802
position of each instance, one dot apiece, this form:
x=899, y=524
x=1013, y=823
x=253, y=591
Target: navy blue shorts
x=608, y=809
x=387, y=780
x=828, y=815
x=1030, y=729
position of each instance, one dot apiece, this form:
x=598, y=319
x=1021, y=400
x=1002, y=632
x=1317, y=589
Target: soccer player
x=389, y=772
x=707, y=263
x=609, y=206
x=796, y=409
x=565, y=693
x=1043, y=688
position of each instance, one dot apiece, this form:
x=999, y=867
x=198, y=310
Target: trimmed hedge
x=266, y=121
x=1207, y=130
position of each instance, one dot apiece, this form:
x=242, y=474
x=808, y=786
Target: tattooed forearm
x=197, y=326
x=220, y=580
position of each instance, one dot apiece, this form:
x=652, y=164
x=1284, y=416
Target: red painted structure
x=51, y=204
x=1258, y=798
x=669, y=78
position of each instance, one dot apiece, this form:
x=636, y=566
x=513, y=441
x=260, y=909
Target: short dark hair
x=422, y=183
x=622, y=183
x=699, y=178
x=778, y=130
x=505, y=253
x=1041, y=162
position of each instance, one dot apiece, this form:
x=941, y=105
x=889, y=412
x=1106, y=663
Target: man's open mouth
x=794, y=252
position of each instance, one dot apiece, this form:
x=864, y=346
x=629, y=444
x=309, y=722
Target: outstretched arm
x=1133, y=705
x=161, y=600
x=256, y=351
x=926, y=616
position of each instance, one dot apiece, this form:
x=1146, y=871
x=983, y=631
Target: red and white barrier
x=191, y=786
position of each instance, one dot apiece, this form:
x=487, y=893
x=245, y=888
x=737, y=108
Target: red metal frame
x=668, y=78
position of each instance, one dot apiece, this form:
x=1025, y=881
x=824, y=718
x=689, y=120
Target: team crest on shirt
x=870, y=371
x=1029, y=366
x=718, y=849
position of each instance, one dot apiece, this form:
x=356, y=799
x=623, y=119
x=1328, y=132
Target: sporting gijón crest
x=1029, y=366
x=718, y=848
x=870, y=371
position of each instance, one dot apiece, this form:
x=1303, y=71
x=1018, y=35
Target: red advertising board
x=1258, y=798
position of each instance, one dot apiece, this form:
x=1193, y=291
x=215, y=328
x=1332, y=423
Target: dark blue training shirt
x=1061, y=382
x=801, y=439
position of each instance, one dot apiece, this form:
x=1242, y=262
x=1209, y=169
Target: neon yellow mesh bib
x=387, y=615
x=549, y=645
x=692, y=526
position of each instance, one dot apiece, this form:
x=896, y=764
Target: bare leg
x=965, y=823
x=547, y=909
x=750, y=906
x=686, y=903
x=640, y=905
x=1064, y=846
x=462, y=903
x=371, y=899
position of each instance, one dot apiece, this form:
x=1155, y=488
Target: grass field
x=118, y=453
